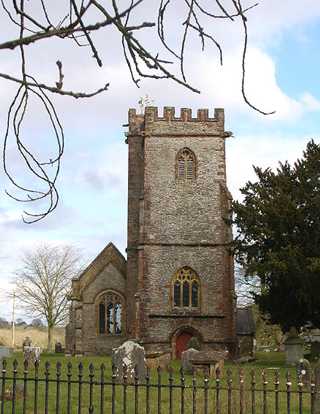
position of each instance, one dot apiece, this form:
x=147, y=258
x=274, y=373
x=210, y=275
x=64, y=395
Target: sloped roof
x=245, y=324
x=110, y=254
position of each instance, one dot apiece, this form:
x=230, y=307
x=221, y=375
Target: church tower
x=180, y=280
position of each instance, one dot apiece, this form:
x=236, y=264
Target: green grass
x=269, y=362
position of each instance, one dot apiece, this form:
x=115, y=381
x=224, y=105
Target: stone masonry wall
x=180, y=224
x=135, y=195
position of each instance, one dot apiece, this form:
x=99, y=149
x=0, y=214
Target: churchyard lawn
x=269, y=362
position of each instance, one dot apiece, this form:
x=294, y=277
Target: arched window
x=186, y=288
x=110, y=314
x=186, y=165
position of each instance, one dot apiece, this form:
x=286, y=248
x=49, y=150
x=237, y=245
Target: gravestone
x=293, y=347
x=31, y=354
x=186, y=357
x=58, y=349
x=208, y=362
x=194, y=343
x=158, y=359
x=126, y=357
x=315, y=344
x=5, y=352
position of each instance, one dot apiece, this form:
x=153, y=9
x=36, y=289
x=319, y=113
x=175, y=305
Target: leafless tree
x=43, y=283
x=79, y=21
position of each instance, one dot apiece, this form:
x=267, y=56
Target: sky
x=282, y=75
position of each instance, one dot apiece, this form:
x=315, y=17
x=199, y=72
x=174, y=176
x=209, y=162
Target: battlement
x=151, y=114
x=151, y=123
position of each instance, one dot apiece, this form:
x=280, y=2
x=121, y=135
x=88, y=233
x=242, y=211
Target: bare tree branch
x=78, y=23
x=44, y=281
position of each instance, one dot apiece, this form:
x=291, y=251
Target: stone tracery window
x=186, y=165
x=186, y=288
x=110, y=314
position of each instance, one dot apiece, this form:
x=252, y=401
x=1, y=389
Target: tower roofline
x=152, y=114
x=150, y=122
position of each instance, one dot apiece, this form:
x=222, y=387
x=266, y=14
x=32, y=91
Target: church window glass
x=185, y=294
x=110, y=316
x=177, y=293
x=117, y=318
x=186, y=165
x=186, y=288
x=194, y=294
x=102, y=318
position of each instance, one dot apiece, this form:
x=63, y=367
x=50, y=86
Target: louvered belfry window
x=186, y=288
x=186, y=165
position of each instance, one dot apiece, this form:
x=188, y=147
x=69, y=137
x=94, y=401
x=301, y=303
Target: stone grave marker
x=129, y=355
x=186, y=357
x=294, y=348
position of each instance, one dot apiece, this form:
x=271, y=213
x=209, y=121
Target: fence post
x=241, y=390
x=69, y=376
x=229, y=385
x=25, y=385
x=58, y=383
x=182, y=386
x=217, y=390
x=102, y=369
x=14, y=385
x=136, y=390
x=46, y=392
x=113, y=389
x=194, y=392
x=253, y=392
x=316, y=406
x=170, y=391
x=91, y=383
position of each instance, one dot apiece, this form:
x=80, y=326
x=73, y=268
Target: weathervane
x=145, y=101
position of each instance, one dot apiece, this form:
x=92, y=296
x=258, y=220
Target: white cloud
x=261, y=150
x=271, y=18
x=310, y=102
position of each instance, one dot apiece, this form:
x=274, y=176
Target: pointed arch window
x=186, y=165
x=110, y=314
x=186, y=288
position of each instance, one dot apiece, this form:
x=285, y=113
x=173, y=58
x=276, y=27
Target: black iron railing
x=78, y=388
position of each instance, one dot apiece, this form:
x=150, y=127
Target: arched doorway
x=182, y=340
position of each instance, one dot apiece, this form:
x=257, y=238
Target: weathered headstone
x=315, y=344
x=208, y=362
x=186, y=357
x=58, y=349
x=128, y=357
x=194, y=343
x=294, y=348
x=158, y=359
x=31, y=354
x=5, y=352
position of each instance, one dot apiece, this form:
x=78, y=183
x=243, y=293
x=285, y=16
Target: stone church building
x=177, y=281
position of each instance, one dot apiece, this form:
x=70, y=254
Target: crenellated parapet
x=185, y=123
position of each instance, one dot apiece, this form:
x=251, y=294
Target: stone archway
x=180, y=339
